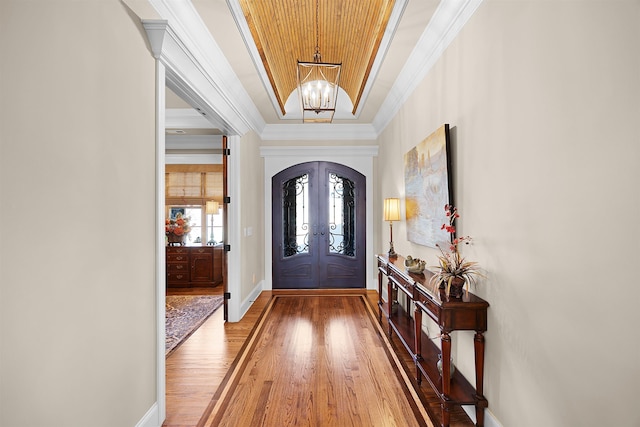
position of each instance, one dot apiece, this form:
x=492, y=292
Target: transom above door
x=318, y=223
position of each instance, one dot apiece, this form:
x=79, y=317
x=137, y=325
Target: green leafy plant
x=451, y=263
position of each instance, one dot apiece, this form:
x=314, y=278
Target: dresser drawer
x=178, y=278
x=177, y=257
x=177, y=249
x=178, y=267
x=202, y=250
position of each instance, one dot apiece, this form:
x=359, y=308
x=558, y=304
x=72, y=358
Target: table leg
x=446, y=414
x=379, y=296
x=478, y=346
x=446, y=364
x=417, y=316
x=389, y=302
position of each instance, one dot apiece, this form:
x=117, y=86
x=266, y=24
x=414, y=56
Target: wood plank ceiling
x=350, y=32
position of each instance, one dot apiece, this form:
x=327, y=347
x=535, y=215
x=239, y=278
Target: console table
x=467, y=313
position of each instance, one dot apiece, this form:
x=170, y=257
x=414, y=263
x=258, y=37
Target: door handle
x=322, y=231
x=315, y=230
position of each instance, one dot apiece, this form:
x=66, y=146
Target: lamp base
x=392, y=253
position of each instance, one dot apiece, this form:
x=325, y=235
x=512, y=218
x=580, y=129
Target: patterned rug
x=185, y=314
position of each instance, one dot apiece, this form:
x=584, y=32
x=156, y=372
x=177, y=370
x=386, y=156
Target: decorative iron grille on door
x=318, y=227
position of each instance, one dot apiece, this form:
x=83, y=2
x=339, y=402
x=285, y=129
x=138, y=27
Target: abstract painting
x=428, y=188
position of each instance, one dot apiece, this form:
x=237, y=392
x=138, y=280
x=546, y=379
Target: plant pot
x=457, y=287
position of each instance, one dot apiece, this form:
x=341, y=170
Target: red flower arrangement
x=179, y=226
x=452, y=265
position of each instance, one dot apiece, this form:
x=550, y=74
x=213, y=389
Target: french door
x=318, y=219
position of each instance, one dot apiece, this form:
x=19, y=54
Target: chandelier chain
x=316, y=56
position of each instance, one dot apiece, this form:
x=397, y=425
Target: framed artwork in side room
x=173, y=212
x=428, y=188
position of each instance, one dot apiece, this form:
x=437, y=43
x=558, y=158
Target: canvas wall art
x=428, y=188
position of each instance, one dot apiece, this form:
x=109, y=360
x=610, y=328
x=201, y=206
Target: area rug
x=185, y=314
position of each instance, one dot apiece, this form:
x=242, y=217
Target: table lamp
x=212, y=208
x=391, y=213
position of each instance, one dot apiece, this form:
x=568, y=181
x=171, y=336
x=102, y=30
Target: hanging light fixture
x=318, y=86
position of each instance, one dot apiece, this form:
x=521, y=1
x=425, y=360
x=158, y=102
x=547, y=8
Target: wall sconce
x=391, y=213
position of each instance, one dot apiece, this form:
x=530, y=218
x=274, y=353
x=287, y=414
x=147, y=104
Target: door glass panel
x=295, y=221
x=342, y=208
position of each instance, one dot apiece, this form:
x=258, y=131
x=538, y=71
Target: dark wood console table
x=467, y=313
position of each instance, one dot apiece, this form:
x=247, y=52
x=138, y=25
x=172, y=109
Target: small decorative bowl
x=414, y=265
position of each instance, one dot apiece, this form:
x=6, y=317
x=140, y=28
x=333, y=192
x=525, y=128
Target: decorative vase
x=452, y=367
x=456, y=288
x=175, y=240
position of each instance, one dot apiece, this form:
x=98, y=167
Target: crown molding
x=203, y=73
x=447, y=21
x=185, y=118
x=247, y=37
x=318, y=131
x=318, y=151
x=198, y=71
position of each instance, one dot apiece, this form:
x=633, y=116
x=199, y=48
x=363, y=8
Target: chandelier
x=318, y=86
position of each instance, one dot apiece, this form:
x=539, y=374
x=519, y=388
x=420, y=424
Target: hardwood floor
x=196, y=370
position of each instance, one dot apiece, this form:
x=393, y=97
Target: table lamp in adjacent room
x=212, y=208
x=391, y=213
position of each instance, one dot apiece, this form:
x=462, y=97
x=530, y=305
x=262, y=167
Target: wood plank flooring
x=197, y=369
x=317, y=360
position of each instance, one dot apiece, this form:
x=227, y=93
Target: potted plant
x=454, y=271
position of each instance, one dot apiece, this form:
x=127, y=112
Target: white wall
x=251, y=214
x=77, y=209
x=544, y=102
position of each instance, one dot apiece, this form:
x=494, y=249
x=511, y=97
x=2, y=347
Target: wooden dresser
x=194, y=266
x=405, y=320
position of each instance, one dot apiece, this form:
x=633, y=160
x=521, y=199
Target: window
x=189, y=187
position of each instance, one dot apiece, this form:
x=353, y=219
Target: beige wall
x=251, y=214
x=544, y=102
x=77, y=190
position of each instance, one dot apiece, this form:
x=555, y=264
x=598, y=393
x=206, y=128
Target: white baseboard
x=248, y=301
x=489, y=419
x=150, y=419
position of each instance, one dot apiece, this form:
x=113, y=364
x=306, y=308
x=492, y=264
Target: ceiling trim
x=245, y=32
x=318, y=132
x=287, y=151
x=360, y=98
x=206, y=73
x=389, y=32
x=185, y=118
x=226, y=98
x=447, y=21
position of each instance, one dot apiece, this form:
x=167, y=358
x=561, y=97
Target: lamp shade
x=212, y=207
x=392, y=209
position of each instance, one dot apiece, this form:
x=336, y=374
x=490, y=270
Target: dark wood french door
x=318, y=219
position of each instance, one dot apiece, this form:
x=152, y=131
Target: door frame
x=359, y=158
